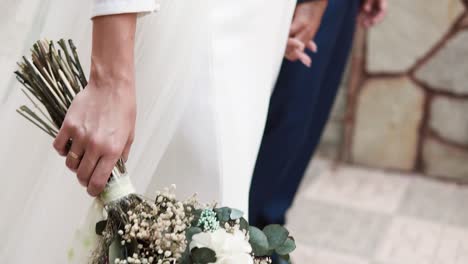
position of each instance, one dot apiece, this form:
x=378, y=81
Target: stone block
x=388, y=117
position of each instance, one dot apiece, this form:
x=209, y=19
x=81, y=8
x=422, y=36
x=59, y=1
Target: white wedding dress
x=204, y=71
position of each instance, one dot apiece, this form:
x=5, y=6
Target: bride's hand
x=100, y=122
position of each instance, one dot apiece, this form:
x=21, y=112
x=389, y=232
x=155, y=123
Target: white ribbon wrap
x=117, y=188
x=85, y=239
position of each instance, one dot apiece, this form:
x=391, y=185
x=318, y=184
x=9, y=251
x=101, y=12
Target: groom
x=302, y=99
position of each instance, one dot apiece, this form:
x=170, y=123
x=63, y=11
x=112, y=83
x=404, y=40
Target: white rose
x=229, y=248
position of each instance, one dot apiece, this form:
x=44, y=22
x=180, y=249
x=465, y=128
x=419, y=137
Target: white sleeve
x=111, y=7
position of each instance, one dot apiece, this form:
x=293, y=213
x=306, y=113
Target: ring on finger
x=73, y=155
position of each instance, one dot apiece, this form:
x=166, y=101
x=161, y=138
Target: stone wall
x=404, y=102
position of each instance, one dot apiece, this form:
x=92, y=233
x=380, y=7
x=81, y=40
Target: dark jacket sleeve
x=303, y=1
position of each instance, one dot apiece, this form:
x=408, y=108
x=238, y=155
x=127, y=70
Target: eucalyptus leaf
x=244, y=225
x=185, y=259
x=288, y=246
x=276, y=235
x=191, y=232
x=223, y=214
x=116, y=250
x=100, y=227
x=203, y=256
x=236, y=214
x=258, y=241
x=196, y=217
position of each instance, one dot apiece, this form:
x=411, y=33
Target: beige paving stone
x=449, y=117
x=447, y=70
x=411, y=241
x=389, y=112
x=453, y=246
x=338, y=228
x=331, y=140
x=430, y=226
x=307, y=254
x=360, y=189
x=410, y=30
x=435, y=201
x=445, y=161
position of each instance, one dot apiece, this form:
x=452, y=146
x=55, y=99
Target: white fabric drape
x=204, y=72
x=111, y=7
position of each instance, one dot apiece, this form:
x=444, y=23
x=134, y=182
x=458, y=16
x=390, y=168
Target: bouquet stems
x=51, y=78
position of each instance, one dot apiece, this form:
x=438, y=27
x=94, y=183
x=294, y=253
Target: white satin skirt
x=204, y=69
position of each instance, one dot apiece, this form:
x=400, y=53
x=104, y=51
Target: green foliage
x=259, y=242
x=100, y=227
x=116, y=250
x=236, y=214
x=191, y=232
x=196, y=216
x=186, y=259
x=223, y=214
x=276, y=235
x=244, y=225
x=273, y=239
x=287, y=247
x=203, y=256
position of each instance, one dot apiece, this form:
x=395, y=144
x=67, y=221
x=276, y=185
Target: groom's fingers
x=382, y=11
x=301, y=56
x=312, y=46
x=304, y=58
x=295, y=51
x=293, y=45
x=296, y=26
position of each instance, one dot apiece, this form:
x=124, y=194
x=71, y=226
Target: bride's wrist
x=113, y=76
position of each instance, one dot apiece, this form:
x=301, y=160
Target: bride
x=198, y=73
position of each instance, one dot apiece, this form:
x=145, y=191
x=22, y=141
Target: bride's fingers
x=127, y=149
x=75, y=154
x=101, y=175
x=87, y=165
x=61, y=140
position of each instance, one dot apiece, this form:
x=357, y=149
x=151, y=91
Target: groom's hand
x=306, y=22
x=373, y=12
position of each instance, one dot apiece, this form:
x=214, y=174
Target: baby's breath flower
x=208, y=221
x=159, y=231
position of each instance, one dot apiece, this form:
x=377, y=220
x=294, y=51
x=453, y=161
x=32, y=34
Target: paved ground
x=347, y=215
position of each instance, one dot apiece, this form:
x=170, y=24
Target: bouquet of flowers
x=138, y=230
x=187, y=232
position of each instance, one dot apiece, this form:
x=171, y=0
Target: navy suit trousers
x=299, y=109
